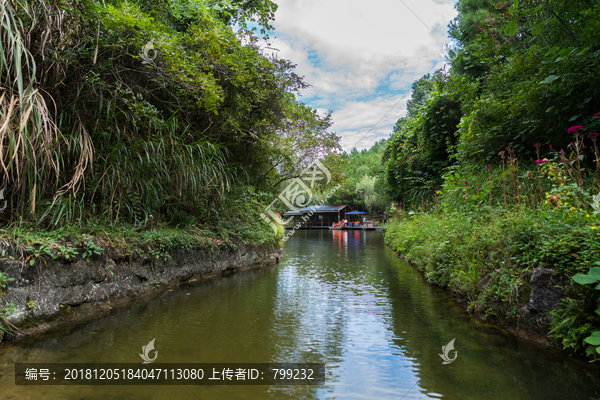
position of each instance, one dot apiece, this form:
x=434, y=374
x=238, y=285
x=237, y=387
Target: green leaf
x=594, y=339
x=595, y=272
x=32, y=261
x=512, y=27
x=584, y=279
x=550, y=79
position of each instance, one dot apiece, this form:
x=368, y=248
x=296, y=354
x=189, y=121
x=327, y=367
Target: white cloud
x=361, y=123
x=361, y=58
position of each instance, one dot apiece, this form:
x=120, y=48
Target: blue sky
x=362, y=57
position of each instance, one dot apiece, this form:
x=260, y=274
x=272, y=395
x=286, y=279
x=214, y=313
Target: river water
x=338, y=297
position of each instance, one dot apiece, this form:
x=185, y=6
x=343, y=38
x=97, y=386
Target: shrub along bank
x=491, y=238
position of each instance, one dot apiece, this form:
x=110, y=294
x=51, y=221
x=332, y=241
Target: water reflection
x=338, y=296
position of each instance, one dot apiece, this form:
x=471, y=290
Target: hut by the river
x=318, y=217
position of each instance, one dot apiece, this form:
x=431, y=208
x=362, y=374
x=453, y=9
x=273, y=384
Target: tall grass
x=98, y=149
x=33, y=151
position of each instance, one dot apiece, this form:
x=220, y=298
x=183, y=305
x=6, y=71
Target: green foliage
x=522, y=73
x=363, y=186
x=38, y=253
x=67, y=253
x=5, y=309
x=493, y=226
x=469, y=254
x=90, y=248
x=592, y=277
x=4, y=280
x=146, y=114
x=418, y=152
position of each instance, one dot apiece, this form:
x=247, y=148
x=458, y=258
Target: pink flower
x=550, y=147
x=537, y=145
x=596, y=116
x=540, y=161
x=593, y=136
x=575, y=129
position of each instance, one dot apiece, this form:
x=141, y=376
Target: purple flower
x=575, y=129
x=537, y=145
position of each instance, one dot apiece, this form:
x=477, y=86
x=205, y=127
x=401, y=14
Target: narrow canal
x=340, y=297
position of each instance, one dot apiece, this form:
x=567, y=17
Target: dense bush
x=133, y=112
x=484, y=234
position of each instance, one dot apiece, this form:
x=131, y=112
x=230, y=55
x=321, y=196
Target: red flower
x=575, y=129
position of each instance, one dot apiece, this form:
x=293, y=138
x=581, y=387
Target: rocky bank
x=56, y=292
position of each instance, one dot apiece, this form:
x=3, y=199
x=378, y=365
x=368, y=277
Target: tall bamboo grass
x=52, y=157
x=33, y=151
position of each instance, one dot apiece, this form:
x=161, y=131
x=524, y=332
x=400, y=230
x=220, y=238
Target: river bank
x=52, y=283
x=512, y=269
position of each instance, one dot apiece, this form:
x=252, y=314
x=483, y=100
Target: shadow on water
x=340, y=297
